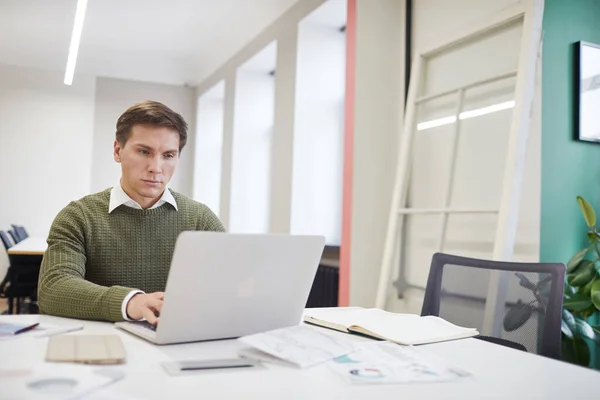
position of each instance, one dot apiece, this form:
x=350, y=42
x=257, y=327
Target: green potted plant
x=582, y=295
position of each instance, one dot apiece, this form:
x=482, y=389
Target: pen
x=59, y=331
x=27, y=328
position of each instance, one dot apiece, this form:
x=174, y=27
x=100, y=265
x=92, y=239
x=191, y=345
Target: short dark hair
x=150, y=112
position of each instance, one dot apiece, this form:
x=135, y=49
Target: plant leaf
x=577, y=302
x=588, y=212
x=591, y=236
x=566, y=330
x=587, y=289
x=585, y=274
x=585, y=330
x=568, y=318
x=526, y=283
x=576, y=259
x=575, y=351
x=582, y=352
x=595, y=294
x=588, y=312
x=569, y=290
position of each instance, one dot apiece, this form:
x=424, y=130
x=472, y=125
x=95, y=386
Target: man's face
x=148, y=160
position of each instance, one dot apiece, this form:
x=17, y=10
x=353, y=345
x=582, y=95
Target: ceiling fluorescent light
x=75, y=39
x=465, y=115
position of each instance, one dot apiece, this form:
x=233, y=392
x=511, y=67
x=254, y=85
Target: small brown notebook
x=86, y=349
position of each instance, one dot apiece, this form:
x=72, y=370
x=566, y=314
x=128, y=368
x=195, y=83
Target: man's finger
x=154, y=304
x=149, y=315
x=159, y=295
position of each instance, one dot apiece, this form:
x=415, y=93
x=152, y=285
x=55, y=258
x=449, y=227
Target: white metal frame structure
x=530, y=12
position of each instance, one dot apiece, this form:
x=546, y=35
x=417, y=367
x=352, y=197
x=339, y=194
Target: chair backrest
x=5, y=240
x=21, y=232
x=14, y=236
x=457, y=290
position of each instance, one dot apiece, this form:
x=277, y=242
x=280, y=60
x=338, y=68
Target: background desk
x=32, y=246
x=500, y=373
x=25, y=259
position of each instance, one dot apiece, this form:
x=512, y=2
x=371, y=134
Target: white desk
x=32, y=246
x=500, y=372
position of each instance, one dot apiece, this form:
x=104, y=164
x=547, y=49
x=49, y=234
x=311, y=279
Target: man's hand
x=145, y=306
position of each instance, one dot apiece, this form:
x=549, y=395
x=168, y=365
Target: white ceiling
x=169, y=41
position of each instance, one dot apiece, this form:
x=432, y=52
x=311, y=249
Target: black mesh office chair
x=530, y=318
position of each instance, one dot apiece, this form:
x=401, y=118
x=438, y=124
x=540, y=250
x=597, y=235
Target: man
x=109, y=253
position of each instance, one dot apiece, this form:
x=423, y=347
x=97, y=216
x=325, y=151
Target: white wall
x=46, y=138
x=319, y=132
x=113, y=97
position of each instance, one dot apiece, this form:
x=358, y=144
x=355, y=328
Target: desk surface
x=34, y=246
x=499, y=372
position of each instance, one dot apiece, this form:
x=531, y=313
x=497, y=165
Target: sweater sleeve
x=62, y=288
x=209, y=221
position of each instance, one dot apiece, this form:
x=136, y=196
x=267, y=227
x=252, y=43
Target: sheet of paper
x=9, y=330
x=390, y=363
x=299, y=345
x=55, y=381
x=43, y=330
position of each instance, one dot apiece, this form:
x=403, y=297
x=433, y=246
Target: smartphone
x=216, y=364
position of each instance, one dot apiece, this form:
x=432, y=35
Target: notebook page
x=345, y=316
x=411, y=328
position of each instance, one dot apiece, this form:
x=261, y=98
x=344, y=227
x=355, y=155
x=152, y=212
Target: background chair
x=19, y=281
x=20, y=231
x=531, y=316
x=5, y=240
x=4, y=261
x=14, y=236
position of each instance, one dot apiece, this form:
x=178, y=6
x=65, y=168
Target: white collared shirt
x=118, y=197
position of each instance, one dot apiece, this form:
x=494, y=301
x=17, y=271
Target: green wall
x=569, y=167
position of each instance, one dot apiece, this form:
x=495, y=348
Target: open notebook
x=406, y=329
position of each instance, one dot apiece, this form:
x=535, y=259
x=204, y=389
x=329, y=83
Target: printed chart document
x=407, y=329
x=300, y=346
x=51, y=381
x=388, y=363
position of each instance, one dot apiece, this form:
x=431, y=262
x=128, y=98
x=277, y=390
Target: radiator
x=324, y=291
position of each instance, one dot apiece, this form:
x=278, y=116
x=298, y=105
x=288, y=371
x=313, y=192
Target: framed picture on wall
x=587, y=92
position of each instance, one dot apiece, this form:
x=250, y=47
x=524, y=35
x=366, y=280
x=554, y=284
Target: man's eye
x=169, y=156
x=144, y=152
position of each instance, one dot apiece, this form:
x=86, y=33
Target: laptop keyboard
x=147, y=325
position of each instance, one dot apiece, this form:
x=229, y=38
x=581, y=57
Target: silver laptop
x=225, y=285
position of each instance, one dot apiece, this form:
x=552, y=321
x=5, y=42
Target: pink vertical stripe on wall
x=344, y=284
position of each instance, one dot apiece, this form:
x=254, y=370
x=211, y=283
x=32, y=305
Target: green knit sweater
x=94, y=259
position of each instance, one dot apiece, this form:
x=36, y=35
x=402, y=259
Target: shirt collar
x=118, y=197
